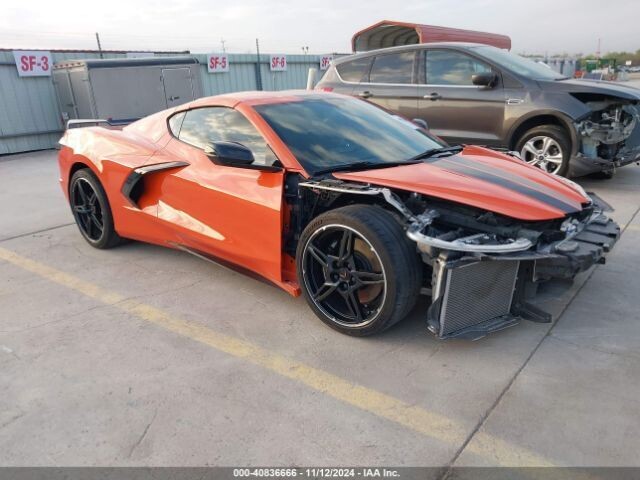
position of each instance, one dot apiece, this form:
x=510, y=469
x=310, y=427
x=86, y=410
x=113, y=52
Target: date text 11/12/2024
x=317, y=472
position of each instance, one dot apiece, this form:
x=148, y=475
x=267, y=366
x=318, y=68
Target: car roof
x=415, y=46
x=260, y=97
x=154, y=126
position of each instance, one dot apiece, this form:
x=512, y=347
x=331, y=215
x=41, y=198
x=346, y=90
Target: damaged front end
x=609, y=137
x=482, y=268
x=484, y=275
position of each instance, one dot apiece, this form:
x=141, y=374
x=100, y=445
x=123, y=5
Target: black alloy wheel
x=87, y=210
x=91, y=210
x=344, y=275
x=358, y=271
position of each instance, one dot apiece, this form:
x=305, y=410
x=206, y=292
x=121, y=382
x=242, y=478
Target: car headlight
x=575, y=186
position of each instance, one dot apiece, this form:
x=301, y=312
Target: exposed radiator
x=475, y=293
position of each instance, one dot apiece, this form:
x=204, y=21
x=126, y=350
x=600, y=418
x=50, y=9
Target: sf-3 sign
x=33, y=63
x=217, y=63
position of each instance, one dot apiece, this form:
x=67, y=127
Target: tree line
x=619, y=57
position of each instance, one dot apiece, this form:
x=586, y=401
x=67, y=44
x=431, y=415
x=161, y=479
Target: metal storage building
x=389, y=33
x=30, y=117
x=123, y=90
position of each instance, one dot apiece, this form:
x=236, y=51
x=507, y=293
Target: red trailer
x=388, y=33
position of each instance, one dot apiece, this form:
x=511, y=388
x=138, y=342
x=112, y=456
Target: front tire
x=359, y=272
x=91, y=210
x=547, y=147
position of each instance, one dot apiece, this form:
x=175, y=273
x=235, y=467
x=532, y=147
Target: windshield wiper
x=437, y=151
x=364, y=166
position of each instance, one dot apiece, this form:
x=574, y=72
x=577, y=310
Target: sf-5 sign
x=33, y=63
x=217, y=63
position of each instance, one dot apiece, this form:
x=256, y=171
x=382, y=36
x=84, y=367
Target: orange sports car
x=358, y=209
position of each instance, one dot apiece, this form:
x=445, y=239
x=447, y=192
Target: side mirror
x=231, y=154
x=421, y=123
x=484, y=79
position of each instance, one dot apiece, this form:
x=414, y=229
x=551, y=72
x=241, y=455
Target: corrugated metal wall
x=29, y=114
x=243, y=74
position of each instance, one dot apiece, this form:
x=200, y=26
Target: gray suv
x=477, y=94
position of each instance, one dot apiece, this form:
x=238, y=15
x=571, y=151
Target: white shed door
x=178, y=86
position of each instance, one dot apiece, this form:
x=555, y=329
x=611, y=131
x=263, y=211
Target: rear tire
x=547, y=147
x=91, y=210
x=341, y=249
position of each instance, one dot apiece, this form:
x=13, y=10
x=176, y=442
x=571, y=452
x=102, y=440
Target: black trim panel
x=224, y=263
x=136, y=175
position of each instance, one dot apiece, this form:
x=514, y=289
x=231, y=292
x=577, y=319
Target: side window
x=175, y=123
x=202, y=126
x=393, y=68
x=448, y=67
x=355, y=70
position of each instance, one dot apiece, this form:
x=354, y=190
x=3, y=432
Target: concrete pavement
x=145, y=356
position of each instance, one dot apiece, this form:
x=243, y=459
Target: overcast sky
x=284, y=26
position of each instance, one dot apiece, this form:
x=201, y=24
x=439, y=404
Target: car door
x=229, y=213
x=392, y=83
x=454, y=108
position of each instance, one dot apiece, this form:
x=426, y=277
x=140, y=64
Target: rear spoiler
x=98, y=122
x=95, y=122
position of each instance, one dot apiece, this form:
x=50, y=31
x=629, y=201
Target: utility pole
x=223, y=41
x=258, y=72
x=99, y=46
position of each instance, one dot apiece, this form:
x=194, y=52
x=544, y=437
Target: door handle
x=365, y=94
x=432, y=96
x=172, y=98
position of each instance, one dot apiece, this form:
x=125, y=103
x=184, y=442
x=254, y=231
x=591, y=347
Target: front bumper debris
x=608, y=139
x=581, y=164
x=580, y=252
x=475, y=293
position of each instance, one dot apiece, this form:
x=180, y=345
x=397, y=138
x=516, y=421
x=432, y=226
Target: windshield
x=520, y=65
x=333, y=132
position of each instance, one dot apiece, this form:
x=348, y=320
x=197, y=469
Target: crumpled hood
x=485, y=179
x=592, y=86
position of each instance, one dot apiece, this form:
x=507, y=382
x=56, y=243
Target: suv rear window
x=393, y=68
x=355, y=70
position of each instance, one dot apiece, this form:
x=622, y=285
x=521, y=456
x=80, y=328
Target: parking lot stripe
x=412, y=417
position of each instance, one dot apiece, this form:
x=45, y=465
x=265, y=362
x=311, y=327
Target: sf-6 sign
x=325, y=61
x=278, y=63
x=33, y=63
x=217, y=63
